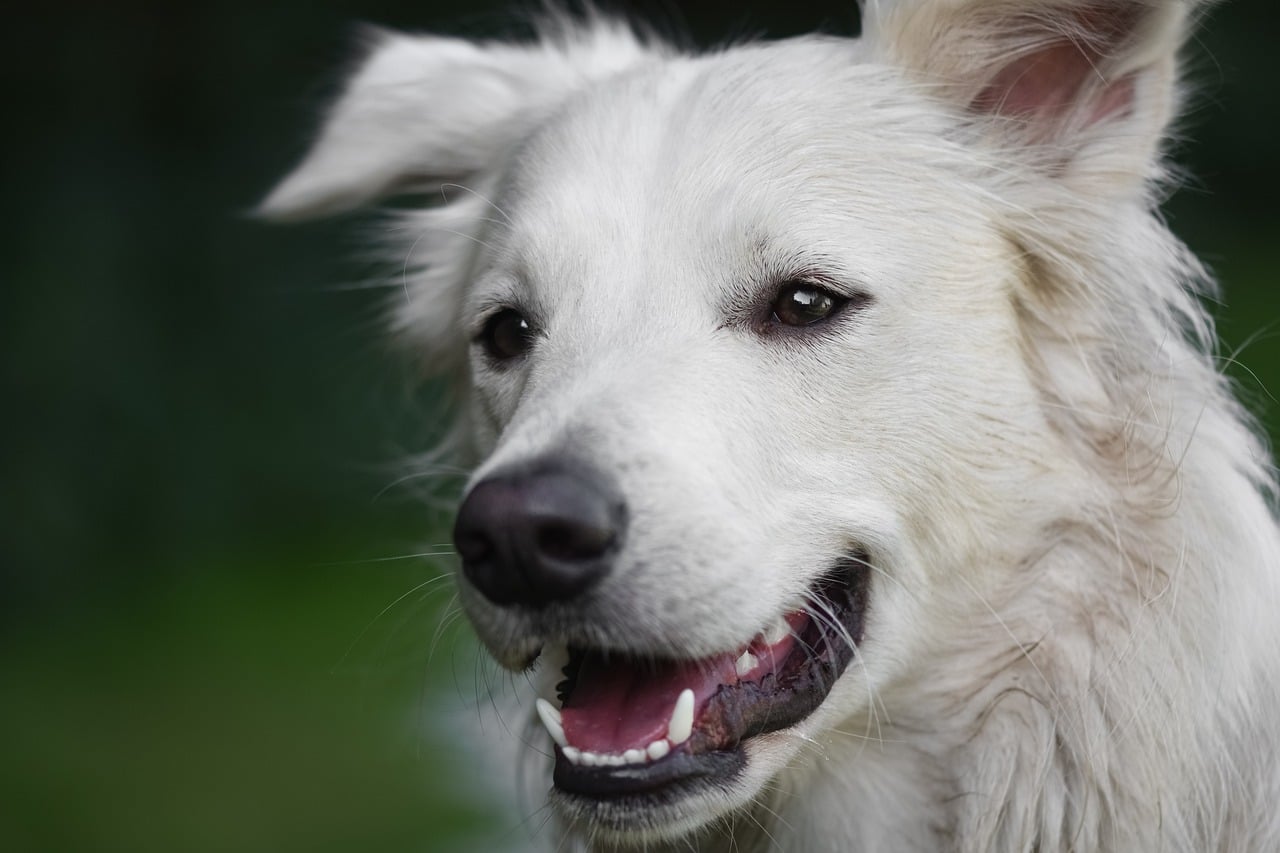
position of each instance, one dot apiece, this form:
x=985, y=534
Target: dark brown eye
x=803, y=304
x=506, y=335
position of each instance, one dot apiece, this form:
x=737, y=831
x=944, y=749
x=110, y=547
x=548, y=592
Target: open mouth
x=639, y=728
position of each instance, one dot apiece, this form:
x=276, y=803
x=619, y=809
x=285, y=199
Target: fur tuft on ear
x=423, y=111
x=1049, y=78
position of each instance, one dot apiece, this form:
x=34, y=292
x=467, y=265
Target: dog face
x=738, y=361
x=744, y=339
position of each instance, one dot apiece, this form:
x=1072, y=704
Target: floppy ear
x=1082, y=89
x=423, y=111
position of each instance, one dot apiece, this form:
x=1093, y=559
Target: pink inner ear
x=1049, y=83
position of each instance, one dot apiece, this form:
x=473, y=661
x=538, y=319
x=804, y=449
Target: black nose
x=538, y=535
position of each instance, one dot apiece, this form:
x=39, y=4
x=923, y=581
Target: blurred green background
x=212, y=635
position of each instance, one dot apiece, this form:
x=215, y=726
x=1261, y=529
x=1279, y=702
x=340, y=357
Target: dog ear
x=1084, y=88
x=423, y=111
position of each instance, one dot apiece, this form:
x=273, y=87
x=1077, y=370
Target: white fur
x=1073, y=640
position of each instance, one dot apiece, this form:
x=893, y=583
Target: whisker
x=506, y=219
x=425, y=585
x=444, y=551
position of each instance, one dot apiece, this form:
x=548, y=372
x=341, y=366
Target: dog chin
x=654, y=748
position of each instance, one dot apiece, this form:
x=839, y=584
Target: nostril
x=473, y=546
x=567, y=540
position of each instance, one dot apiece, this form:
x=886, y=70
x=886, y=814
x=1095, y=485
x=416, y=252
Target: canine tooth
x=775, y=633
x=551, y=719
x=681, y=725
x=658, y=749
x=572, y=753
x=746, y=663
x=633, y=756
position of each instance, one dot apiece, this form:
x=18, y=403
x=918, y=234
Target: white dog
x=852, y=469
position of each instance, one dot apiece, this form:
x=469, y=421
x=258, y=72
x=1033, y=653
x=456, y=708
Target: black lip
x=678, y=772
x=714, y=755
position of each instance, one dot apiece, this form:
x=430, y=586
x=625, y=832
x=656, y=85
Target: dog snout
x=539, y=535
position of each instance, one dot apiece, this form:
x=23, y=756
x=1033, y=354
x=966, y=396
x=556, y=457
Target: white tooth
x=633, y=756
x=551, y=719
x=775, y=632
x=573, y=754
x=589, y=759
x=746, y=663
x=658, y=749
x=681, y=725
x=617, y=760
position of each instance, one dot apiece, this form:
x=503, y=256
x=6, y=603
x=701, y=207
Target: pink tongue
x=619, y=704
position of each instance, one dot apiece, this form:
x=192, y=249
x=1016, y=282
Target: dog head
x=753, y=347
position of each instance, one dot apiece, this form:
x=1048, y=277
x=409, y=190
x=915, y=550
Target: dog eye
x=506, y=335
x=803, y=304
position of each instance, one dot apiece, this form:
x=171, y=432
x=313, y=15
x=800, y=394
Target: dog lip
x=772, y=699
x=678, y=774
